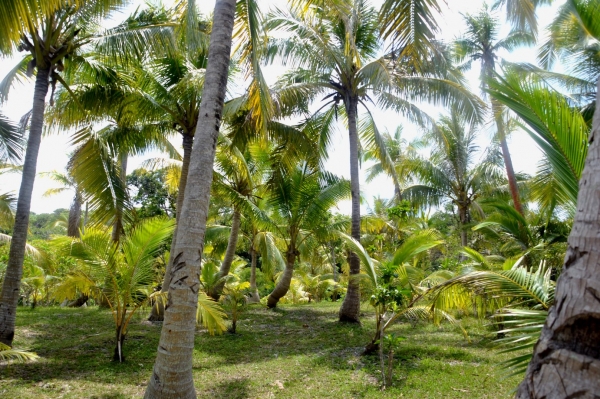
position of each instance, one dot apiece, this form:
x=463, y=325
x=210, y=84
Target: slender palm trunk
x=158, y=312
x=566, y=359
x=510, y=172
x=172, y=374
x=254, y=296
x=118, y=222
x=85, y=217
x=463, y=216
x=14, y=269
x=229, y=253
x=283, y=285
x=75, y=216
x=350, y=309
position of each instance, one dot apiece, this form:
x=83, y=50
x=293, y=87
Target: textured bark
x=566, y=359
x=118, y=222
x=229, y=253
x=254, y=296
x=118, y=355
x=510, y=172
x=283, y=285
x=172, y=374
x=75, y=216
x=350, y=309
x=463, y=215
x=14, y=269
x=158, y=312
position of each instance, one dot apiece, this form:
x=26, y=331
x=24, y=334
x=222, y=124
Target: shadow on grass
x=77, y=344
x=235, y=388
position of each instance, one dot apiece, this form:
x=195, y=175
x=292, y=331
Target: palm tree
x=49, y=38
x=560, y=131
x=452, y=172
x=481, y=43
x=74, y=221
x=121, y=272
x=172, y=374
x=335, y=49
x=300, y=200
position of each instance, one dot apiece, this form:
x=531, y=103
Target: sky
x=55, y=147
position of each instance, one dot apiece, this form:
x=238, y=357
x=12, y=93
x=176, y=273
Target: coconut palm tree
x=335, y=50
x=74, y=222
x=120, y=272
x=452, y=172
x=172, y=373
x=560, y=131
x=51, y=34
x=300, y=200
x=481, y=43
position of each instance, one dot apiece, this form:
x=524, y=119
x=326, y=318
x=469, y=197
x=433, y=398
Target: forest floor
x=297, y=351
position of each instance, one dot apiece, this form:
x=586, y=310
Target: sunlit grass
x=295, y=352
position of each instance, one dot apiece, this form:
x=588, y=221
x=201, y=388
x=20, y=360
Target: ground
x=295, y=352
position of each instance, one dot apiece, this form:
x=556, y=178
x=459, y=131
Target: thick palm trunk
x=75, y=216
x=158, y=311
x=566, y=359
x=510, y=172
x=118, y=222
x=229, y=253
x=350, y=309
x=283, y=285
x=254, y=296
x=172, y=374
x=14, y=269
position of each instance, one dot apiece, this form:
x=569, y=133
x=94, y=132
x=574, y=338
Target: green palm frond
x=210, y=314
x=19, y=355
x=416, y=244
x=558, y=129
x=11, y=141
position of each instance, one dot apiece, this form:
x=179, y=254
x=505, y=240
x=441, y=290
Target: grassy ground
x=295, y=352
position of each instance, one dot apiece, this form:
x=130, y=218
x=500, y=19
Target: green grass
x=294, y=352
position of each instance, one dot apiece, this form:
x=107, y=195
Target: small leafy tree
x=122, y=273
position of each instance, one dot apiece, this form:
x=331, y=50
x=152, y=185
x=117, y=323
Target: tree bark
x=118, y=222
x=14, y=269
x=510, y=172
x=283, y=285
x=254, y=295
x=463, y=215
x=75, y=216
x=158, y=312
x=566, y=359
x=172, y=374
x=350, y=309
x=229, y=253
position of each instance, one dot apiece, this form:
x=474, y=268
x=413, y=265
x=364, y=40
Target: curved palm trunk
x=510, y=172
x=350, y=309
x=158, y=311
x=172, y=374
x=254, y=296
x=283, y=285
x=566, y=359
x=75, y=216
x=229, y=253
x=14, y=269
x=118, y=222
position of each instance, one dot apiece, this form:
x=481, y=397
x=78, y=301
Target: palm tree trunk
x=566, y=359
x=75, y=216
x=254, y=295
x=510, y=172
x=85, y=217
x=350, y=309
x=283, y=285
x=463, y=216
x=118, y=222
x=172, y=374
x=14, y=269
x=229, y=253
x=158, y=311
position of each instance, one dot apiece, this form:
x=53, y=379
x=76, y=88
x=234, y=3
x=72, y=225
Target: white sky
x=54, y=148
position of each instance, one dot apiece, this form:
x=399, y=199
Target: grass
x=294, y=352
